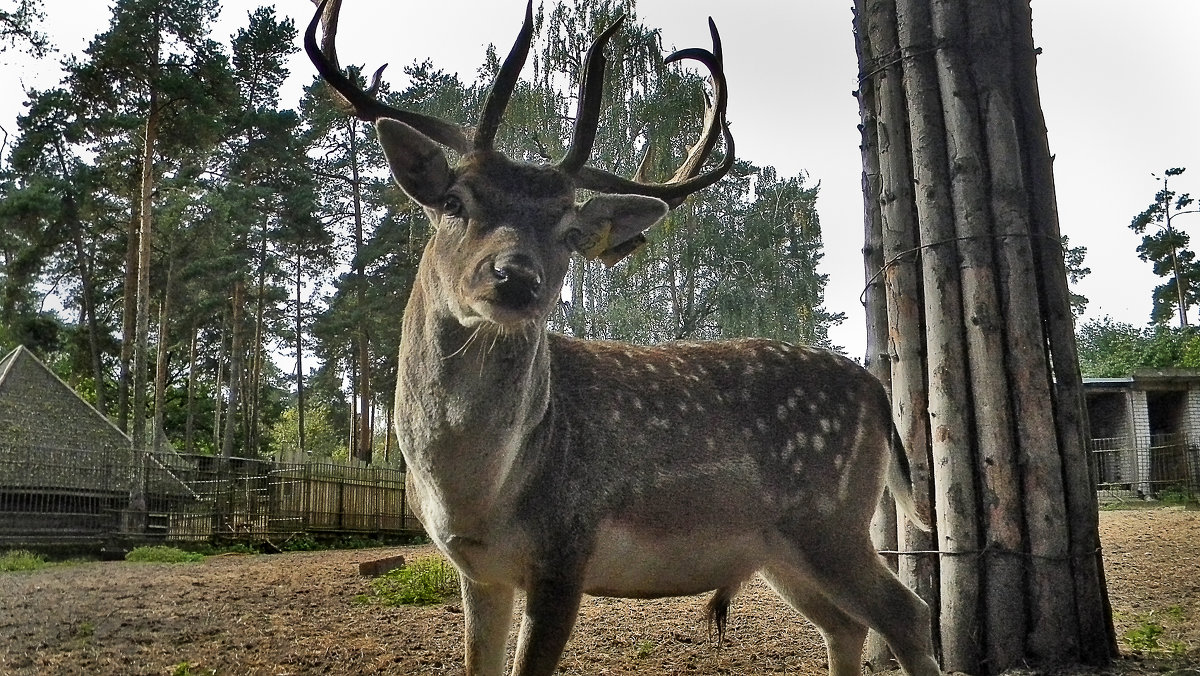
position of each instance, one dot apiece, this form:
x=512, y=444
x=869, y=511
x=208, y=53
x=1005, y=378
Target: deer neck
x=468, y=402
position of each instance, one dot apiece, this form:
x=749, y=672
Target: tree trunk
x=299, y=355
x=87, y=313
x=361, y=402
x=218, y=436
x=189, y=439
x=142, y=338
x=235, y=373
x=128, y=319
x=949, y=92
x=160, y=370
x=877, y=360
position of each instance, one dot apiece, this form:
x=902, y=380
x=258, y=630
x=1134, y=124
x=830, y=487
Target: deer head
x=505, y=230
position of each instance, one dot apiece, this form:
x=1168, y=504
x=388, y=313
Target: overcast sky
x=1120, y=86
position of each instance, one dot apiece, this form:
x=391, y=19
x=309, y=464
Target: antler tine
x=591, y=91
x=502, y=88
x=363, y=104
x=687, y=178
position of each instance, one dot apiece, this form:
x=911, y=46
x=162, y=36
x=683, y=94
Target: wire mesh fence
x=1156, y=467
x=50, y=494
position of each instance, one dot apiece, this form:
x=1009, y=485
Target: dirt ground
x=296, y=614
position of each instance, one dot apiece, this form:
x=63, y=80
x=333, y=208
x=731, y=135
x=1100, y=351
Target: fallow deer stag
x=561, y=467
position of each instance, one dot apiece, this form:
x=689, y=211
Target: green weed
x=1149, y=635
x=422, y=582
x=162, y=554
x=644, y=649
x=21, y=560
x=188, y=669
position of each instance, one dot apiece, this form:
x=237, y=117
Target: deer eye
x=452, y=206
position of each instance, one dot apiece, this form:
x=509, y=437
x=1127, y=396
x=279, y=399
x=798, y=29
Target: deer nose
x=518, y=281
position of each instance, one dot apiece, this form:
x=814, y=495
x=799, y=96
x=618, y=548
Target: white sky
x=1120, y=85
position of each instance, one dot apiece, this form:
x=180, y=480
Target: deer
x=556, y=467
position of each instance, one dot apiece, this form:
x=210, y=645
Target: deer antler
x=363, y=104
x=687, y=178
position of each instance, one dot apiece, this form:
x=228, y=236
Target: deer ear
x=418, y=164
x=609, y=227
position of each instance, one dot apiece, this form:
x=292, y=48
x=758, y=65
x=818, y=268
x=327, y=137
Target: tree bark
x=877, y=360
x=949, y=408
x=299, y=354
x=189, y=439
x=235, y=372
x=902, y=286
x=160, y=370
x=965, y=193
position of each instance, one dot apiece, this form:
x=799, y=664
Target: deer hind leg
x=844, y=636
x=852, y=578
x=488, y=610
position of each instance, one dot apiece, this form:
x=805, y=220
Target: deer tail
x=899, y=482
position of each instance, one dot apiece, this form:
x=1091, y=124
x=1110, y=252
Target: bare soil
x=302, y=613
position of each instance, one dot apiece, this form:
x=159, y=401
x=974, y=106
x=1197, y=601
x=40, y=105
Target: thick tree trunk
x=976, y=289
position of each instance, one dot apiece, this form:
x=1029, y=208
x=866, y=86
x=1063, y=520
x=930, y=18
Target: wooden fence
x=54, y=497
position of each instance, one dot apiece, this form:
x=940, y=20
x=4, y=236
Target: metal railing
x=1147, y=467
x=51, y=494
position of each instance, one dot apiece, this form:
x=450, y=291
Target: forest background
x=251, y=197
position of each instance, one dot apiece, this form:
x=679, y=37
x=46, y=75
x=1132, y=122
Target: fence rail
x=46, y=494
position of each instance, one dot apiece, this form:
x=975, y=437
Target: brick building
x=1145, y=432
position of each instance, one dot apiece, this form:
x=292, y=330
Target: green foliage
x=1151, y=634
x=322, y=437
x=290, y=202
x=421, y=582
x=1111, y=349
x=1073, y=257
x=162, y=554
x=21, y=560
x=18, y=27
x=1166, y=247
x=644, y=649
x=189, y=669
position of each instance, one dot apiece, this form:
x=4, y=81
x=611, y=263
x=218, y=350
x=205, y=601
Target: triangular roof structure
x=51, y=436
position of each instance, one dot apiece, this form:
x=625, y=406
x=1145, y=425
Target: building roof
x=38, y=408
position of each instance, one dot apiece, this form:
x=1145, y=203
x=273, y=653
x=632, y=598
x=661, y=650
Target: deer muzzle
x=516, y=281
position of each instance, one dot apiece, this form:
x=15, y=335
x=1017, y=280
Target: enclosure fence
x=1155, y=467
x=55, y=495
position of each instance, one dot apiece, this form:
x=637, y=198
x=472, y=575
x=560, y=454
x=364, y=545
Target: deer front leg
x=551, y=607
x=488, y=610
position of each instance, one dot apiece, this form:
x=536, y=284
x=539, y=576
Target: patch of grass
x=422, y=582
x=189, y=669
x=162, y=554
x=644, y=649
x=84, y=631
x=21, y=560
x=1149, y=636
